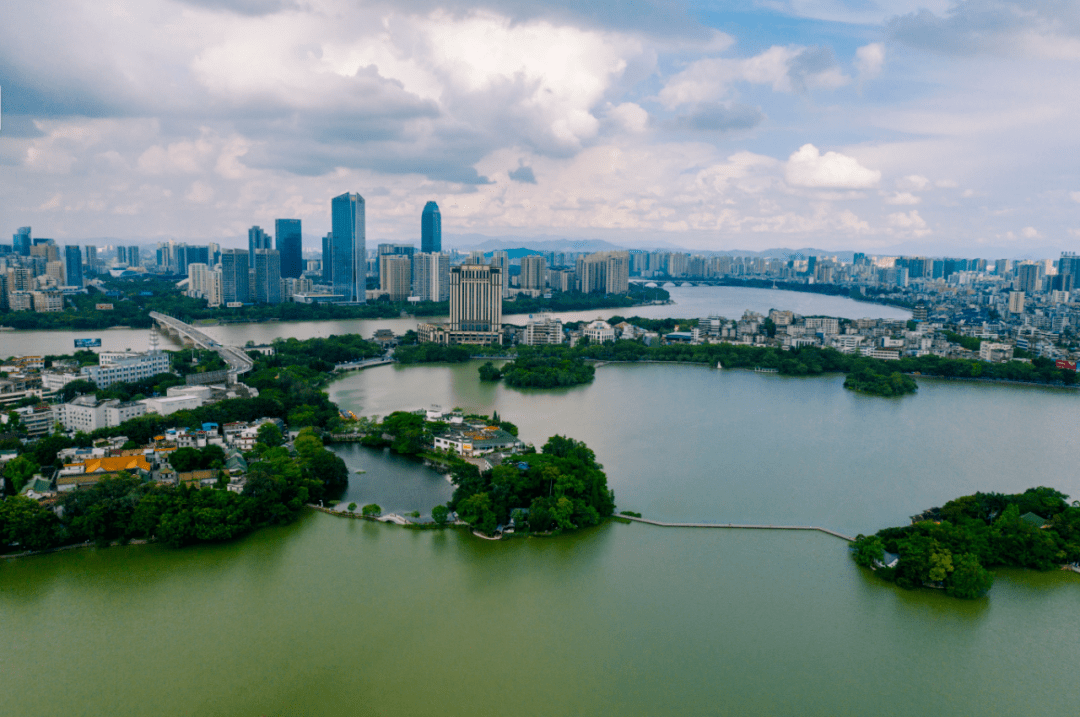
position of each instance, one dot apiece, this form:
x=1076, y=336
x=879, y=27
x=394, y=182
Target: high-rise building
x=431, y=276
x=121, y=255
x=328, y=258
x=1028, y=278
x=476, y=302
x=389, y=251
x=21, y=241
x=198, y=280
x=73, y=274
x=290, y=245
x=349, y=247
x=46, y=249
x=502, y=260
x=1016, y=302
x=533, y=272
x=55, y=271
x=235, y=276
x=1068, y=275
x=133, y=259
x=267, y=276
x=431, y=229
x=606, y=272
x=396, y=276
x=184, y=255
x=257, y=239
x=91, y=259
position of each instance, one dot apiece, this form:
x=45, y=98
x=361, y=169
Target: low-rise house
x=478, y=440
x=167, y=405
x=89, y=472
x=598, y=332
x=199, y=479
x=38, y=488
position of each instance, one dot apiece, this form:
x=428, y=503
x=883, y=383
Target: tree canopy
x=560, y=489
x=952, y=547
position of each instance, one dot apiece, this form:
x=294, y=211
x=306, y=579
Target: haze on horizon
x=945, y=127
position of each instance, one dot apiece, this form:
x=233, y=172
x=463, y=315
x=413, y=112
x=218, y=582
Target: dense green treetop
x=126, y=507
x=560, y=489
x=952, y=547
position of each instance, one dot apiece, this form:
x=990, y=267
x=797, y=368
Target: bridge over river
x=239, y=362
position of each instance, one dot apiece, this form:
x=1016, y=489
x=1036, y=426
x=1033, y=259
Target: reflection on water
x=397, y=484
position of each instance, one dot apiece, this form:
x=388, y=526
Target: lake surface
x=690, y=302
x=694, y=443
x=334, y=616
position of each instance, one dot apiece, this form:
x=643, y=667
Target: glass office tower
x=290, y=247
x=431, y=229
x=349, y=255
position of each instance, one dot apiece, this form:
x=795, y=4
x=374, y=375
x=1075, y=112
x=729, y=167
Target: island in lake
x=952, y=547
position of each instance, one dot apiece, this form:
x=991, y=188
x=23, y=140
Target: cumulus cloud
x=1075, y=196
x=807, y=167
x=913, y=183
x=902, y=198
x=1030, y=233
x=908, y=222
x=869, y=59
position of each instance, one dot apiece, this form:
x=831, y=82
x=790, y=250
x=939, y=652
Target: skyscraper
x=1028, y=277
x=91, y=259
x=290, y=245
x=235, y=276
x=431, y=276
x=73, y=274
x=121, y=255
x=533, y=272
x=133, y=259
x=21, y=241
x=267, y=276
x=257, y=239
x=431, y=229
x=349, y=251
x=606, y=272
x=328, y=258
x=182, y=256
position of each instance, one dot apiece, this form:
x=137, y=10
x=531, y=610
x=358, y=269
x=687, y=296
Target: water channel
x=332, y=616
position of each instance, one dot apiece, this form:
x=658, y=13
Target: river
x=333, y=616
x=689, y=302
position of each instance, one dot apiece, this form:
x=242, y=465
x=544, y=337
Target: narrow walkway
x=737, y=526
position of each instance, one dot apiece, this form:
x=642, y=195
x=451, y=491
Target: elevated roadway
x=239, y=362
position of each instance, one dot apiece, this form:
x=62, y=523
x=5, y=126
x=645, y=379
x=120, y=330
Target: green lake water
x=333, y=616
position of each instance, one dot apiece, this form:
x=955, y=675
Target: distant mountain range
x=519, y=246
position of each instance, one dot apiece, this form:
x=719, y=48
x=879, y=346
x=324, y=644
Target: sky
x=936, y=126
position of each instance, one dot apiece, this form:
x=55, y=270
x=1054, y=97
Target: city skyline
x=942, y=125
